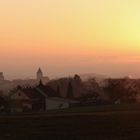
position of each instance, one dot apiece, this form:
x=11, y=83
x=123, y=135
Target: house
x=26, y=99
x=52, y=101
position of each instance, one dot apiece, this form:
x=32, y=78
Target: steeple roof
x=39, y=70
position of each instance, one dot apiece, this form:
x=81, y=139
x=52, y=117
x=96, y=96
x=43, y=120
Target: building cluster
x=42, y=94
x=40, y=97
x=6, y=85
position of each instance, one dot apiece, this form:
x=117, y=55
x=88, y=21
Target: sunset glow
x=70, y=36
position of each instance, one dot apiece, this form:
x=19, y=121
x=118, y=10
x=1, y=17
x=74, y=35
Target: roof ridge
x=40, y=91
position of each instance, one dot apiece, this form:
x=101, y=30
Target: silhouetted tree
x=58, y=91
x=70, y=91
x=121, y=89
x=77, y=78
x=40, y=83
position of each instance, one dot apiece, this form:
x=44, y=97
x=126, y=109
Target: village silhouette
x=44, y=94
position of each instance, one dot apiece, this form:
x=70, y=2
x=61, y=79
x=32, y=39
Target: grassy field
x=101, y=108
x=94, y=123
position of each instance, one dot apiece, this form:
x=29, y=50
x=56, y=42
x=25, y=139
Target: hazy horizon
x=69, y=36
x=32, y=75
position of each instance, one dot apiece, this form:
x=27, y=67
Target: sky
x=64, y=37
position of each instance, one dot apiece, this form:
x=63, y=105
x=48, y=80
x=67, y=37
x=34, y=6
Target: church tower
x=1, y=76
x=39, y=74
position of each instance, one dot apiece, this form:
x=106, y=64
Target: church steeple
x=1, y=76
x=39, y=70
x=39, y=74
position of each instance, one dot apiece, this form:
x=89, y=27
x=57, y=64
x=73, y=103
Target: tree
x=70, y=91
x=77, y=78
x=58, y=91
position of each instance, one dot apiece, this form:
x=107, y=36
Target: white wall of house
x=52, y=104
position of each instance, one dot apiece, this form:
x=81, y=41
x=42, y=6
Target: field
x=73, y=124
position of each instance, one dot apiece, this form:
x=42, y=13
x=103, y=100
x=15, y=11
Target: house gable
x=19, y=95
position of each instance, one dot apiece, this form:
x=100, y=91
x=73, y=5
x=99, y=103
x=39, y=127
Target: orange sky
x=70, y=36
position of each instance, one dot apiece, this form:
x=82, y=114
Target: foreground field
x=117, y=125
